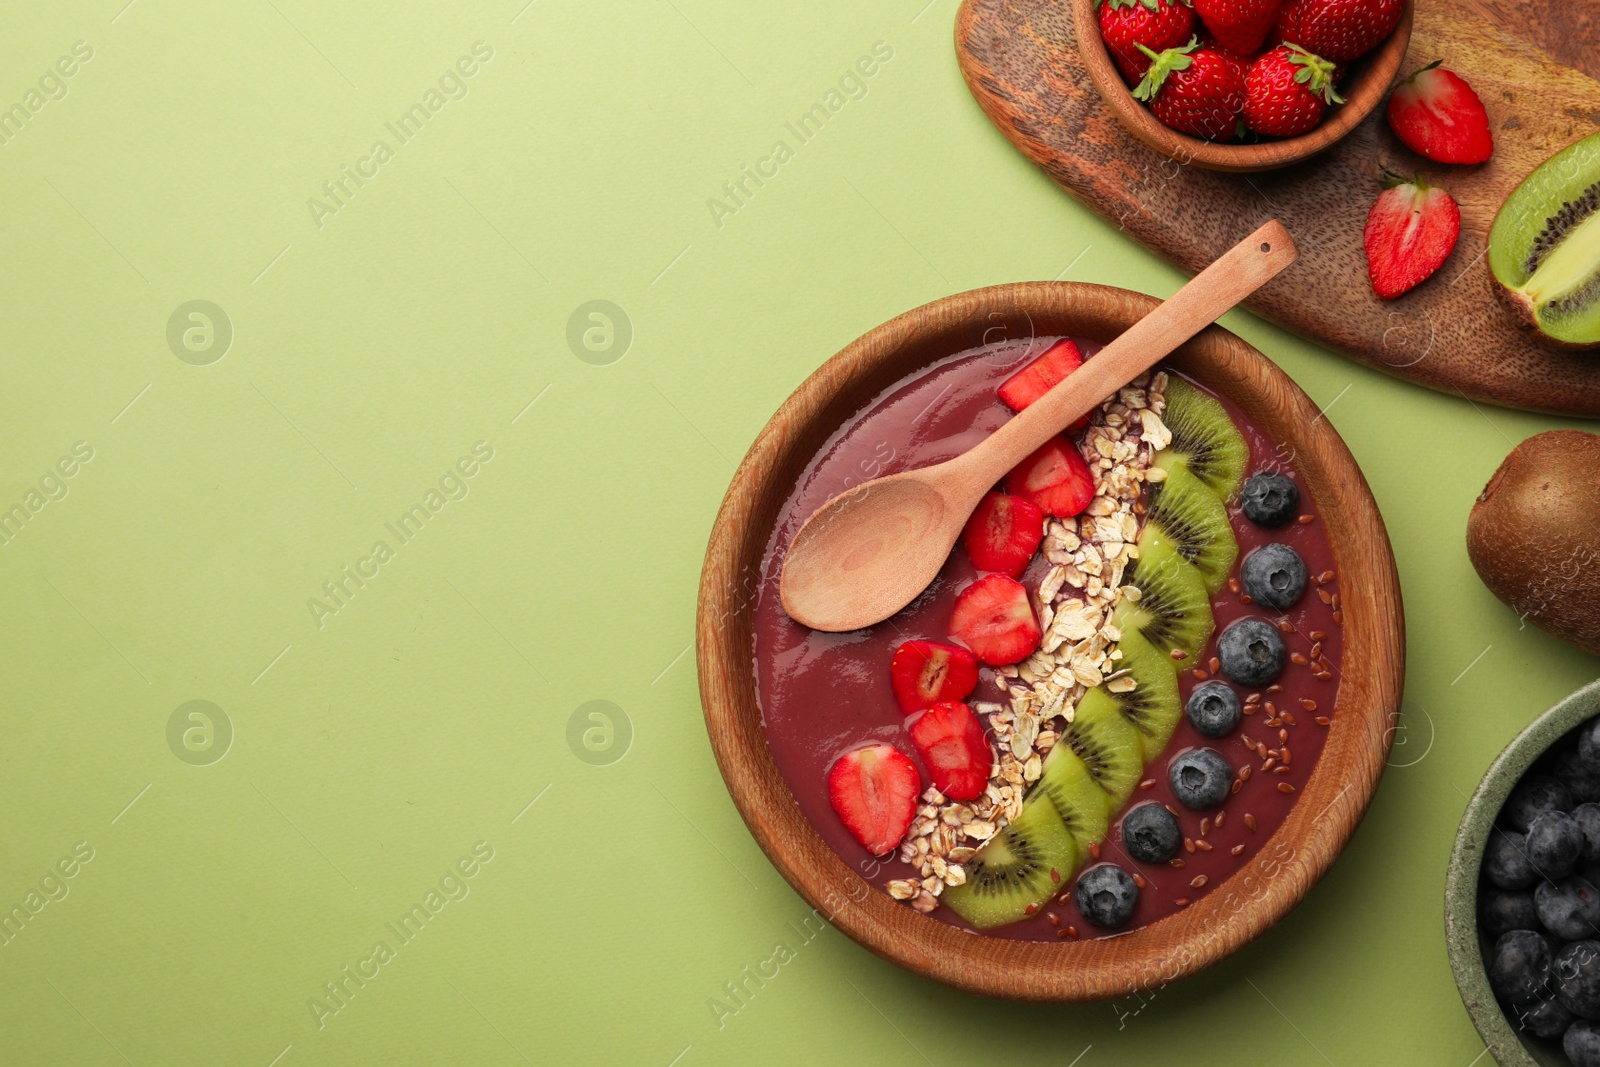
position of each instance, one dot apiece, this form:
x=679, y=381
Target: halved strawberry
x=1436, y=113
x=953, y=745
x=925, y=673
x=1003, y=533
x=874, y=791
x=993, y=617
x=1040, y=376
x=1410, y=232
x=1055, y=478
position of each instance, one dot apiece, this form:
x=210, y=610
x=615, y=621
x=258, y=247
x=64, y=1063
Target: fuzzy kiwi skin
x=1522, y=309
x=1534, y=535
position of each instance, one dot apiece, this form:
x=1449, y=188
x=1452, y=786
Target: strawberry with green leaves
x=1410, y=232
x=1155, y=24
x=1287, y=92
x=1339, y=30
x=1238, y=26
x=1436, y=113
x=1194, y=90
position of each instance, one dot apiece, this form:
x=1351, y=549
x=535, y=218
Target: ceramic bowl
x=1364, y=89
x=1281, y=871
x=1509, y=1047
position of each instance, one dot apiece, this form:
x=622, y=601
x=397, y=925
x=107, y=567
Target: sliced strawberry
x=1055, y=478
x=953, y=745
x=874, y=791
x=1436, y=113
x=925, y=673
x=1038, y=377
x=1410, y=232
x=992, y=617
x=1003, y=533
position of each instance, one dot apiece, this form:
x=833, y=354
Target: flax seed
x=1269, y=763
x=1323, y=720
x=1336, y=602
x=1148, y=783
x=1138, y=880
x=1275, y=722
x=1250, y=821
x=1272, y=709
x=1203, y=846
x=1199, y=674
x=1238, y=784
x=1233, y=586
x=1282, y=770
x=1216, y=665
x=1325, y=596
x=1188, y=844
x=1283, y=735
x=1063, y=933
x=1285, y=787
x=1072, y=931
x=1288, y=757
x=1065, y=898
x=1308, y=705
x=1197, y=881
x=1205, y=827
x=1175, y=863
x=1247, y=599
x=1305, y=520
x=1287, y=717
x=1244, y=772
x=1316, y=650
x=1220, y=816
x=1179, y=653
x=1054, y=919
x=1325, y=577
x=1245, y=739
x=1261, y=749
x=1298, y=659
x=1286, y=626
x=1274, y=688
x=1237, y=850
x=1170, y=808
x=1318, y=635
x=1031, y=908
x=1253, y=698
x=1055, y=876
x=1094, y=850
x=1338, y=618
x=1182, y=902
x=1323, y=676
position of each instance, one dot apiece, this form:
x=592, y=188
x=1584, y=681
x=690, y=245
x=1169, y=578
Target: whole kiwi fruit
x=1534, y=534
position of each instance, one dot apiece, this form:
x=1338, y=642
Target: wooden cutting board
x=1451, y=333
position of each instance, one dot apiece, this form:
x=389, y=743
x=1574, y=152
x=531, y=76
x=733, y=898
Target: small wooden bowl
x=1286, y=865
x=1364, y=88
x=1509, y=1045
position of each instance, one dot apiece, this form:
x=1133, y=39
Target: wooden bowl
x=1510, y=1046
x=1364, y=88
x=1285, y=867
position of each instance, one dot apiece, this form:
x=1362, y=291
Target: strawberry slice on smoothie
x=994, y=618
x=1003, y=534
x=1055, y=478
x=952, y=743
x=874, y=792
x=925, y=673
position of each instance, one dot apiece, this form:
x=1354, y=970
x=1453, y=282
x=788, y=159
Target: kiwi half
x=1084, y=807
x=1018, y=870
x=1195, y=521
x=1173, y=611
x=1151, y=706
x=1109, y=747
x=1544, y=248
x=1204, y=439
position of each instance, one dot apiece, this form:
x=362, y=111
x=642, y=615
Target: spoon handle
x=1240, y=271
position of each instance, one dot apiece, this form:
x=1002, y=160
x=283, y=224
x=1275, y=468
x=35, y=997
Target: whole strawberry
x=1194, y=90
x=1410, y=232
x=1339, y=30
x=1436, y=113
x=1287, y=92
x=1155, y=24
x=1238, y=26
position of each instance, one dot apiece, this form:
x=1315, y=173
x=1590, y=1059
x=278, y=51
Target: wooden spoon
x=869, y=552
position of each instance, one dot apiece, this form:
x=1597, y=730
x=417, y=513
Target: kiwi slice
x=1204, y=439
x=1173, y=611
x=1109, y=747
x=1544, y=247
x=1152, y=706
x=1018, y=870
x=1194, y=519
x=1084, y=807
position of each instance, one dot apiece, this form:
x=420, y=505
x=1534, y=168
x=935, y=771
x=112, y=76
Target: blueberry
x=1589, y=744
x=1150, y=833
x=1575, y=976
x=1532, y=797
x=1200, y=778
x=1580, y=779
x=1107, y=896
x=1587, y=816
x=1213, y=709
x=1554, y=844
x=1501, y=910
x=1547, y=1018
x=1251, y=652
x=1582, y=1044
x=1269, y=499
x=1519, y=967
x=1274, y=575
x=1505, y=860
x=1569, y=909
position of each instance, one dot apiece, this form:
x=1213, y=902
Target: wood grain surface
x=1275, y=878
x=1451, y=333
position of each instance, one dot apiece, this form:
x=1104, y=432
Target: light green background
x=427, y=314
